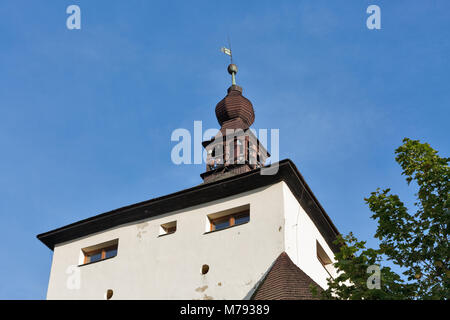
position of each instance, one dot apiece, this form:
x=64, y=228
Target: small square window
x=168, y=228
x=100, y=252
x=220, y=221
x=324, y=258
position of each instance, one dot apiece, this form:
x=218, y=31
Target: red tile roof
x=285, y=281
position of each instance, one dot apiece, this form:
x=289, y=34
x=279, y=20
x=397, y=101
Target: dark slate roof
x=197, y=195
x=285, y=281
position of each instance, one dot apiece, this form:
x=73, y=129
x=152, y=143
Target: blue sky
x=86, y=115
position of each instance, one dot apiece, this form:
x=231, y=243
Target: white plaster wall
x=168, y=267
x=300, y=240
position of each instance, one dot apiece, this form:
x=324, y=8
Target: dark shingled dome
x=235, y=111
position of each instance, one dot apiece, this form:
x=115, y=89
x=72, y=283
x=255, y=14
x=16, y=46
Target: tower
x=235, y=149
x=241, y=234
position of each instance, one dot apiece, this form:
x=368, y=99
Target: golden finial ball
x=232, y=68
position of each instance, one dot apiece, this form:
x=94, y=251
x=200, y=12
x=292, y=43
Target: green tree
x=418, y=242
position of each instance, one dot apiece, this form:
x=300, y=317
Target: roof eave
x=202, y=193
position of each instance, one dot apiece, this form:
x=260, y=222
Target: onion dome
x=235, y=111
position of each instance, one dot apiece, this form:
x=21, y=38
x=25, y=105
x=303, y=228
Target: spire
x=234, y=111
x=233, y=69
x=235, y=149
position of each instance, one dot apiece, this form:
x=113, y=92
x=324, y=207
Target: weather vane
x=228, y=52
x=232, y=68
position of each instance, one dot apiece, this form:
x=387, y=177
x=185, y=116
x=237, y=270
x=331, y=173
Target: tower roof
x=285, y=281
x=235, y=111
